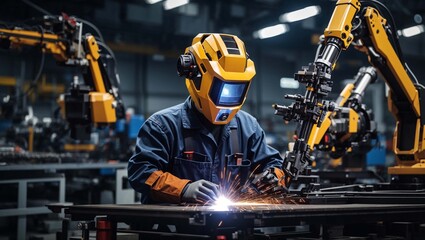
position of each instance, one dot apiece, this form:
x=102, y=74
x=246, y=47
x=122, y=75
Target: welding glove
x=269, y=181
x=201, y=191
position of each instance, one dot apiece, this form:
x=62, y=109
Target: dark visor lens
x=228, y=94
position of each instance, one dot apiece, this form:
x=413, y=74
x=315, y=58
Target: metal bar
x=24, y=211
x=205, y=222
x=153, y=233
x=62, y=189
x=63, y=235
x=61, y=166
x=34, y=180
x=22, y=203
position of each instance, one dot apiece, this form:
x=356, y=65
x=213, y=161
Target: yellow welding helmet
x=218, y=74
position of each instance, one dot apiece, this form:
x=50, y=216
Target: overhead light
x=290, y=83
x=170, y=4
x=271, y=31
x=411, y=31
x=300, y=14
x=152, y=1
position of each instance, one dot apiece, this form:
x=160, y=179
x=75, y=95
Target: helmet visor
x=228, y=94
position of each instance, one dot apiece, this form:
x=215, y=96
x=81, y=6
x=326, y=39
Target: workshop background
x=147, y=37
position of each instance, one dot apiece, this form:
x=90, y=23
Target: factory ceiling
x=138, y=23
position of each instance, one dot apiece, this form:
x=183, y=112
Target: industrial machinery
x=33, y=150
x=96, y=100
x=368, y=25
x=361, y=215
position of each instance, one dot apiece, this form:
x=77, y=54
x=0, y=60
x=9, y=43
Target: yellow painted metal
x=79, y=147
x=383, y=46
x=61, y=103
x=30, y=138
x=92, y=56
x=7, y=81
x=353, y=119
x=51, y=43
x=416, y=169
x=422, y=143
x=345, y=94
x=412, y=151
x=317, y=133
x=102, y=109
x=340, y=24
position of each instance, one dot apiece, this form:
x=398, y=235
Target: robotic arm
x=96, y=100
x=363, y=25
x=310, y=110
x=352, y=124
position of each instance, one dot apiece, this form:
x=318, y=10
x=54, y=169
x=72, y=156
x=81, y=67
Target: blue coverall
x=160, y=147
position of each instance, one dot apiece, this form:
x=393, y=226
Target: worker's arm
x=147, y=168
x=264, y=157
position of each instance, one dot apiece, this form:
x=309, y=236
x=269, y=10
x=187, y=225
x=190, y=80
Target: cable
x=417, y=83
x=114, y=70
x=92, y=26
x=396, y=41
x=37, y=7
x=40, y=69
x=393, y=25
x=107, y=49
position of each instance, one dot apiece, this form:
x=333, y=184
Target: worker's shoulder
x=246, y=119
x=170, y=112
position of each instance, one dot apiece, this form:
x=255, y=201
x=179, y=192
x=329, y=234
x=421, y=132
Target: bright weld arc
x=222, y=204
x=239, y=194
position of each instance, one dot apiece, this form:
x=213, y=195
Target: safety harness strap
x=235, y=141
x=189, y=143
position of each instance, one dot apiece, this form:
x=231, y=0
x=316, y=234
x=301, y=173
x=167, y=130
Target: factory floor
x=46, y=229
x=72, y=235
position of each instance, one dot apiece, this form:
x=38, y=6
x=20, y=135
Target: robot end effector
x=338, y=126
x=308, y=110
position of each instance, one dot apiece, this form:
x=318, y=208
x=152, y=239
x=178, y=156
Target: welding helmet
x=218, y=74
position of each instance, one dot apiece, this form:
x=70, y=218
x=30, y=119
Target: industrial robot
x=370, y=28
x=93, y=101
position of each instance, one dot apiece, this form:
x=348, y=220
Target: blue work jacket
x=161, y=143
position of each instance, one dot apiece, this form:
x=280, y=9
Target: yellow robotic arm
x=50, y=42
x=94, y=101
x=358, y=22
x=351, y=125
x=404, y=97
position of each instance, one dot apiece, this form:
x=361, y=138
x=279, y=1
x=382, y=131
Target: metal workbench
x=25, y=176
x=246, y=222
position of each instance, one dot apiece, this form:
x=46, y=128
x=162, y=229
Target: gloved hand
x=268, y=183
x=201, y=191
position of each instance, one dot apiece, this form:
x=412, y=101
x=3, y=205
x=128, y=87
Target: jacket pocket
x=191, y=169
x=236, y=176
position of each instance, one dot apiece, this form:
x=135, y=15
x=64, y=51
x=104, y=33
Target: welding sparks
x=247, y=187
x=243, y=191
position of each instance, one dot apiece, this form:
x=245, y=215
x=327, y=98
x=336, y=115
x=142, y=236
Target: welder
x=185, y=153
